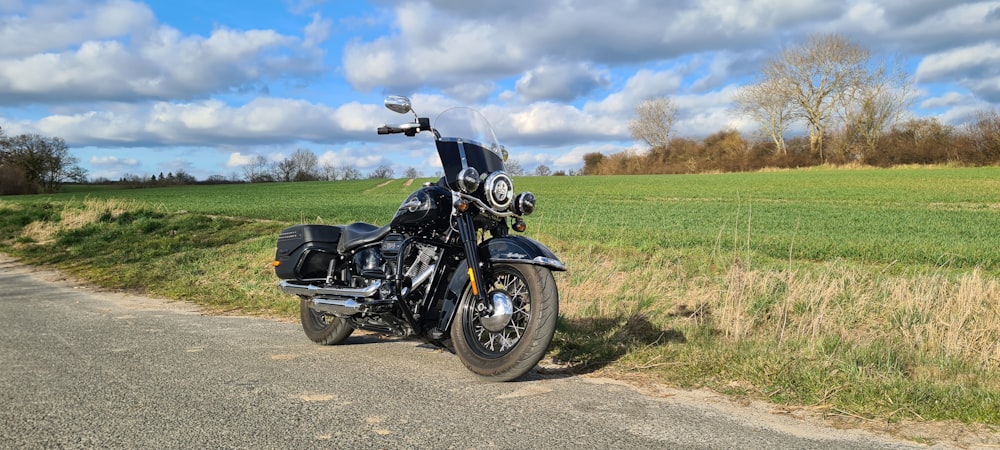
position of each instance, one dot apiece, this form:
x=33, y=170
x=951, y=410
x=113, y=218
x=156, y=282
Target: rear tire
x=323, y=328
x=514, y=350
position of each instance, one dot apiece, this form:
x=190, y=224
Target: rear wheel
x=502, y=338
x=323, y=328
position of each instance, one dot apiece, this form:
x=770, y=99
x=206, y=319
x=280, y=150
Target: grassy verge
x=885, y=307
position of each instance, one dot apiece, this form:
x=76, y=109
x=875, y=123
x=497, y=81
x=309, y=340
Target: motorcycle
x=446, y=267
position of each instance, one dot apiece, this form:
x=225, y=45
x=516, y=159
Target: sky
x=153, y=87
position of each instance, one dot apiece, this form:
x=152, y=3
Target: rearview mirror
x=398, y=103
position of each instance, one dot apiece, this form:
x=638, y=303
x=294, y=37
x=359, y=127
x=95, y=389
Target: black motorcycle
x=445, y=267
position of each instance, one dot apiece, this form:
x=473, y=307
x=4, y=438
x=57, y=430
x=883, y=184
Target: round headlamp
x=524, y=204
x=499, y=190
x=468, y=180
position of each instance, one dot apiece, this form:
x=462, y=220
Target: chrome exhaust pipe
x=336, y=301
x=309, y=290
x=339, y=307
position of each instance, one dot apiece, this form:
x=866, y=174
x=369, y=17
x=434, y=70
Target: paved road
x=89, y=369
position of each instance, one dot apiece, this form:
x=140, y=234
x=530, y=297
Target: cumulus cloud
x=113, y=161
x=563, y=82
x=238, y=159
x=352, y=157
x=976, y=68
x=115, y=50
x=261, y=121
x=556, y=79
x=47, y=26
x=437, y=43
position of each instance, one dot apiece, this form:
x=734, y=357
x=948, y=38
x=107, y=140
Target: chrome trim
x=485, y=207
x=493, y=184
x=461, y=153
x=423, y=276
x=310, y=290
x=549, y=262
x=339, y=307
x=503, y=310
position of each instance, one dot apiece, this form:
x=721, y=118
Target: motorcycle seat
x=357, y=234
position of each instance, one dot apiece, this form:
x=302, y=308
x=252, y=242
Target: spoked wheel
x=323, y=328
x=504, y=336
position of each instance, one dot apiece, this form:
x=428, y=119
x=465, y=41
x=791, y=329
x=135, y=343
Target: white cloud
x=976, y=68
x=47, y=26
x=317, y=31
x=238, y=159
x=113, y=161
x=984, y=57
x=564, y=81
x=115, y=50
x=353, y=157
x=644, y=85
x=263, y=120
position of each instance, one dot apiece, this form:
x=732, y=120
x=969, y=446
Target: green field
x=860, y=292
x=912, y=216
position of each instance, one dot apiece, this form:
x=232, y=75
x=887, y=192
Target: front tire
x=516, y=348
x=323, y=328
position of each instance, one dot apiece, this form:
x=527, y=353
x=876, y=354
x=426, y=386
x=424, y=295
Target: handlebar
x=410, y=129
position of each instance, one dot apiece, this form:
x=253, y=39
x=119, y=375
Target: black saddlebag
x=305, y=251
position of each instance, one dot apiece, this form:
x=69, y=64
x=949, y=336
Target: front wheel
x=497, y=347
x=323, y=328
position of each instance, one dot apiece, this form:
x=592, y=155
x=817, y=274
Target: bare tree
x=349, y=173
x=329, y=172
x=769, y=105
x=984, y=131
x=876, y=105
x=412, y=172
x=283, y=170
x=513, y=167
x=256, y=170
x=820, y=76
x=654, y=121
x=382, y=171
x=305, y=165
x=543, y=171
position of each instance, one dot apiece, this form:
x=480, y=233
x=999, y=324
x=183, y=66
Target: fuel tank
x=427, y=208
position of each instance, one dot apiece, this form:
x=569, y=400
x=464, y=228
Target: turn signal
x=462, y=205
x=472, y=279
x=519, y=226
x=276, y=263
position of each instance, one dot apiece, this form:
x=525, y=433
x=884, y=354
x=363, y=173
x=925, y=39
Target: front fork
x=467, y=232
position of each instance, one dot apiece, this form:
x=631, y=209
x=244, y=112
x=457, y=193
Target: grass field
x=860, y=292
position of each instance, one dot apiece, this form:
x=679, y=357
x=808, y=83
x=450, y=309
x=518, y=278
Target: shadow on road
x=585, y=345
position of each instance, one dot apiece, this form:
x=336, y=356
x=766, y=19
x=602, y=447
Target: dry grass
x=951, y=316
x=75, y=215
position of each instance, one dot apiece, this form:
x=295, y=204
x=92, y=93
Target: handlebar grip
x=384, y=130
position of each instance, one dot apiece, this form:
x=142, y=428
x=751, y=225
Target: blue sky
x=149, y=87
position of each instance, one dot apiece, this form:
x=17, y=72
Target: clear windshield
x=467, y=140
x=468, y=125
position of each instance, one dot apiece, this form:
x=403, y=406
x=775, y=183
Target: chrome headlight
x=468, y=180
x=524, y=205
x=499, y=190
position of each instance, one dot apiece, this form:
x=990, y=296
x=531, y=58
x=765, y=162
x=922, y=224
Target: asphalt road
x=81, y=368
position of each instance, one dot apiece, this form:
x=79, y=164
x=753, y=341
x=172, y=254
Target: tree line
x=851, y=105
x=30, y=163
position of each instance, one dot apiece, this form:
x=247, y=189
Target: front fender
x=519, y=250
x=506, y=249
